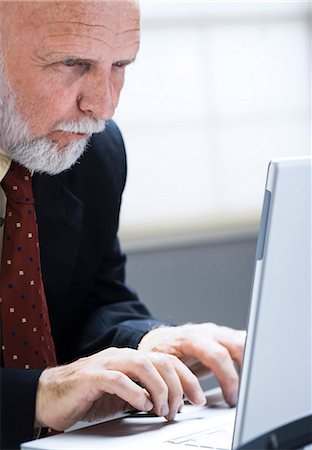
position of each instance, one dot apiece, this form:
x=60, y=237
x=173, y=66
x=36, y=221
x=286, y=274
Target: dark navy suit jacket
x=83, y=268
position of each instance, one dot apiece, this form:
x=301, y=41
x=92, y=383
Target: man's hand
x=203, y=348
x=101, y=385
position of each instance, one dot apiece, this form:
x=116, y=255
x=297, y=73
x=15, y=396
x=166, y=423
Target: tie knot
x=17, y=184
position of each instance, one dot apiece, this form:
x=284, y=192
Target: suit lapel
x=60, y=217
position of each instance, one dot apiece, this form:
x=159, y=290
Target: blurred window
x=218, y=89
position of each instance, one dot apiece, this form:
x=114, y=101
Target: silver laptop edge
x=296, y=237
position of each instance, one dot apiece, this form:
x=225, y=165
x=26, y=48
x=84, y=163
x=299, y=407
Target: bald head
x=65, y=61
x=23, y=18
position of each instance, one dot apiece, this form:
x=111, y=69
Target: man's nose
x=98, y=95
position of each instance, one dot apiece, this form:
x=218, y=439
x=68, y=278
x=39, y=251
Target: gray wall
x=196, y=283
x=202, y=282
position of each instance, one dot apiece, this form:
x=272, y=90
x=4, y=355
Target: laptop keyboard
x=219, y=438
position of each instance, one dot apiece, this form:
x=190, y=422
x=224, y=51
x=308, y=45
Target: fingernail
x=181, y=407
x=171, y=416
x=164, y=410
x=148, y=405
x=200, y=399
x=233, y=399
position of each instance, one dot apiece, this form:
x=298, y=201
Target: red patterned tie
x=26, y=334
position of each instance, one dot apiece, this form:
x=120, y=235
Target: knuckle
x=220, y=355
x=177, y=394
x=232, y=379
x=83, y=374
x=173, y=359
x=127, y=351
x=115, y=377
x=109, y=350
x=212, y=326
x=191, y=380
x=83, y=359
x=164, y=361
x=142, y=362
x=163, y=391
x=160, y=389
x=238, y=347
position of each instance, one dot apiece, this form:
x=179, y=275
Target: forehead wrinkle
x=117, y=33
x=93, y=26
x=100, y=33
x=78, y=49
x=81, y=35
x=103, y=41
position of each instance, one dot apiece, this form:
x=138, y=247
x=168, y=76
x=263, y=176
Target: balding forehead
x=84, y=11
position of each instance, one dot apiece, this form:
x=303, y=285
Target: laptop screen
x=276, y=378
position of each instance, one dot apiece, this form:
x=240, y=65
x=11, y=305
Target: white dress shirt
x=5, y=162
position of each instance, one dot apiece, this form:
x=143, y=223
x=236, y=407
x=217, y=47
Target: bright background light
x=218, y=89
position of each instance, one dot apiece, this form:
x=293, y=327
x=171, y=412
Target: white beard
x=39, y=154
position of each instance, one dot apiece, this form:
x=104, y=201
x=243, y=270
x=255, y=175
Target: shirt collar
x=5, y=162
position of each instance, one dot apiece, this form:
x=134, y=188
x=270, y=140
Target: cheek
x=43, y=101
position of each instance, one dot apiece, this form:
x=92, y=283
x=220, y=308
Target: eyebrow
x=63, y=56
x=90, y=61
x=125, y=62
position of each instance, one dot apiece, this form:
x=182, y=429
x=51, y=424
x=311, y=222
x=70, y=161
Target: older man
x=75, y=339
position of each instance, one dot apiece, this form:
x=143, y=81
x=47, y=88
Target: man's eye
x=70, y=62
x=73, y=62
x=120, y=64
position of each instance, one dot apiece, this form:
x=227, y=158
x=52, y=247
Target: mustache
x=85, y=125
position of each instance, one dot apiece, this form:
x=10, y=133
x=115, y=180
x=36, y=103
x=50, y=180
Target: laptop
x=275, y=387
